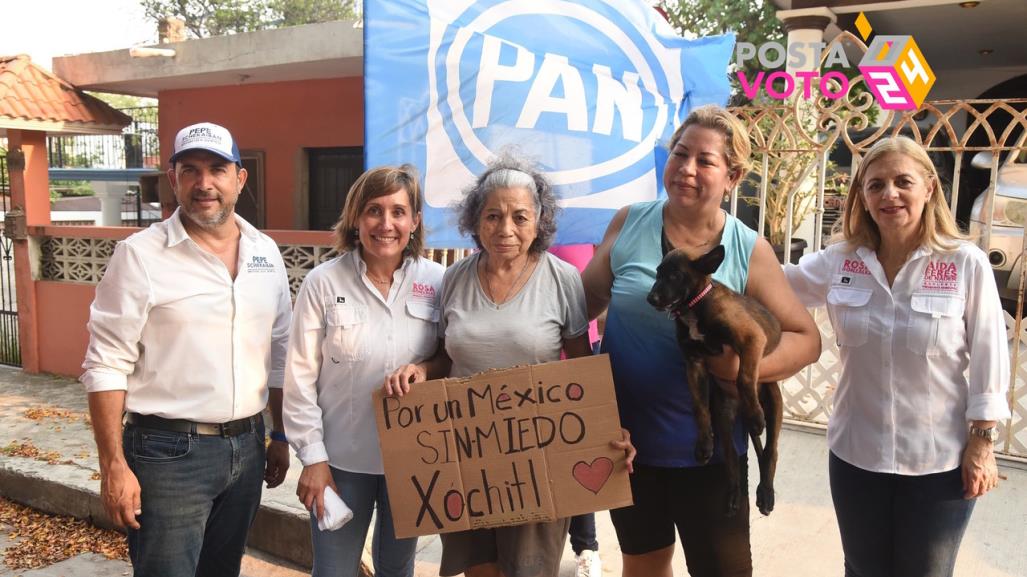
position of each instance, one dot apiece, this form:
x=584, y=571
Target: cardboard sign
x=503, y=447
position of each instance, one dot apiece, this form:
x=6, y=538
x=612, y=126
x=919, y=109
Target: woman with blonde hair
x=924, y=367
x=674, y=492
x=357, y=317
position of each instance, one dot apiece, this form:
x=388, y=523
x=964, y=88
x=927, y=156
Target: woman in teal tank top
x=673, y=494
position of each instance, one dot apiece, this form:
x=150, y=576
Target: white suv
x=1009, y=217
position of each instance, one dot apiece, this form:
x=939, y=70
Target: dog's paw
x=734, y=502
x=703, y=450
x=765, y=498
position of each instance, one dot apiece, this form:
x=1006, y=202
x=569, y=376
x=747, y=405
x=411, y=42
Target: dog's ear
x=710, y=262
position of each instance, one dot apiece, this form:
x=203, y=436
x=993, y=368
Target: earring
x=411, y=235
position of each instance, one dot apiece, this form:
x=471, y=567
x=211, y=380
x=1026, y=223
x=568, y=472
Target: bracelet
x=279, y=436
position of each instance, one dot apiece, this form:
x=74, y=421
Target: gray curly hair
x=509, y=172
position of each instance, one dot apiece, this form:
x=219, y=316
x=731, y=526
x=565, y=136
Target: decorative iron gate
x=795, y=177
x=10, y=349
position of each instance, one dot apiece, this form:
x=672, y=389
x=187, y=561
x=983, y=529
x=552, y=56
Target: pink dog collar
x=700, y=296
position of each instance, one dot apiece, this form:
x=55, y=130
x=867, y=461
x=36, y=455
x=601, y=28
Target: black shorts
x=692, y=501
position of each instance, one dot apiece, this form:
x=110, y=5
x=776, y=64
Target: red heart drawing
x=594, y=476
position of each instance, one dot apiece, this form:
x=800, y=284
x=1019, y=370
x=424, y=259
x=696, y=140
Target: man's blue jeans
x=337, y=553
x=200, y=494
x=898, y=525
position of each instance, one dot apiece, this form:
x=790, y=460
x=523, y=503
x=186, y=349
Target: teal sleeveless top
x=648, y=372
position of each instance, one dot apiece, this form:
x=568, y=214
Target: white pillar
x=110, y=194
x=805, y=27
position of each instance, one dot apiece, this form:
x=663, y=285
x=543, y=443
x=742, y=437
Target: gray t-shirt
x=527, y=329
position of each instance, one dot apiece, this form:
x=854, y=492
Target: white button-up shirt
x=170, y=326
x=345, y=339
x=919, y=359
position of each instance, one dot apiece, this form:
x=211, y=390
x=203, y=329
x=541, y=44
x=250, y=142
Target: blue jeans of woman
x=337, y=553
x=200, y=494
x=583, y=533
x=898, y=525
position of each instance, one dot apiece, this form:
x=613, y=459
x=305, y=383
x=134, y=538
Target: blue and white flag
x=589, y=90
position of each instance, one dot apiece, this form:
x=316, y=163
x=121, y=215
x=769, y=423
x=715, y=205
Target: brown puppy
x=710, y=316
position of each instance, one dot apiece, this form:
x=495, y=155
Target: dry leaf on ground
x=40, y=413
x=27, y=449
x=48, y=539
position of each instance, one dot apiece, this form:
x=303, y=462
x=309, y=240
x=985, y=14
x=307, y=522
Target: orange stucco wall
x=30, y=190
x=278, y=118
x=63, y=310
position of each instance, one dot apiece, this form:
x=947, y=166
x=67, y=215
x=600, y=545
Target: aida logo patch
x=942, y=276
x=941, y=271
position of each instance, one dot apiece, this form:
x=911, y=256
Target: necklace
x=378, y=281
x=690, y=240
x=488, y=283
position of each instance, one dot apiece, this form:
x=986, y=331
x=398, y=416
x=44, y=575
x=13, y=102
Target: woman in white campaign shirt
x=925, y=367
x=357, y=318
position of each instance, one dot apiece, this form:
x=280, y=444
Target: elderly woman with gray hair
x=510, y=303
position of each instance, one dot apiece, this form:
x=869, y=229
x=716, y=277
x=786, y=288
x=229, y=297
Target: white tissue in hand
x=336, y=513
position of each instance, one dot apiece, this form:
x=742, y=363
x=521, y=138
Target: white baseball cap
x=209, y=137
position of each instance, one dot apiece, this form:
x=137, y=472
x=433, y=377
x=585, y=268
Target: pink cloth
x=579, y=255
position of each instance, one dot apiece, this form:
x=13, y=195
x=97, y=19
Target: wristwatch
x=991, y=433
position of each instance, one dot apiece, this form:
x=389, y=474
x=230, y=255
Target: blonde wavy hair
x=938, y=230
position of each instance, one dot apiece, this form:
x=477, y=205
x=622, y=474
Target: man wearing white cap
x=188, y=334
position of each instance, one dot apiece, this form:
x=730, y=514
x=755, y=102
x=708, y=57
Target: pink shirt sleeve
x=578, y=255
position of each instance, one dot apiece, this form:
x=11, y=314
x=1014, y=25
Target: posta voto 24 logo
x=893, y=68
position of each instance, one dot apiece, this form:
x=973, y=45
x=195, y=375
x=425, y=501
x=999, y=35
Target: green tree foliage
x=751, y=20
x=295, y=12
x=204, y=18
x=122, y=101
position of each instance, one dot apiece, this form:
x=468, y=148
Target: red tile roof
x=32, y=98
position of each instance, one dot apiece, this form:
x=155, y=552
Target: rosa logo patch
x=588, y=90
x=855, y=267
x=423, y=290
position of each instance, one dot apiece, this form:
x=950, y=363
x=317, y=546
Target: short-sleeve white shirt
x=171, y=327
x=527, y=329
x=919, y=359
x=346, y=337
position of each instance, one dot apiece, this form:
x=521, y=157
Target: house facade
x=293, y=98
